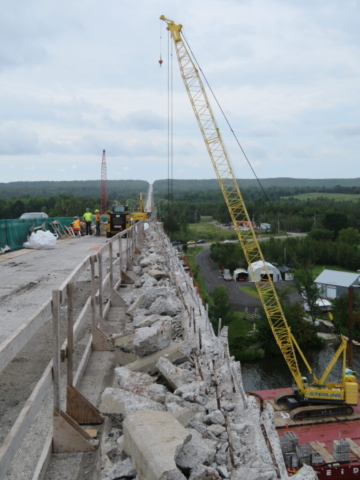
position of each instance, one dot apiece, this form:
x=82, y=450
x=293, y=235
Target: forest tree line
x=284, y=214
x=64, y=205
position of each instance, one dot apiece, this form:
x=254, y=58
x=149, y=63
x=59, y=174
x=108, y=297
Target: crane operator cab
x=118, y=220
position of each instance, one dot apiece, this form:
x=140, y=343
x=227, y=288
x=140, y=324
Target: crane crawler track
x=320, y=411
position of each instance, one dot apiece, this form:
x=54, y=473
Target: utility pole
x=350, y=325
x=195, y=226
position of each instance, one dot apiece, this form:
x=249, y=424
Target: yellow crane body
x=140, y=214
x=317, y=391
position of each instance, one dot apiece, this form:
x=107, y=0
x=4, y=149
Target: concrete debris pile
x=179, y=410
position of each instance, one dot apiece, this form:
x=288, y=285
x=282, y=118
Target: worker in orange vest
x=76, y=226
x=97, y=222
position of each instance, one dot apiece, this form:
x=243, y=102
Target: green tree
x=350, y=236
x=335, y=221
x=304, y=332
x=221, y=307
x=227, y=255
x=308, y=289
x=321, y=234
x=340, y=312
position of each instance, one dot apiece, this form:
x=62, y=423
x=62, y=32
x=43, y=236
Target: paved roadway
x=27, y=281
x=149, y=202
x=239, y=299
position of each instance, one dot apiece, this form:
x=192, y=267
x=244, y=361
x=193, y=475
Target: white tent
x=260, y=272
x=240, y=273
x=322, y=303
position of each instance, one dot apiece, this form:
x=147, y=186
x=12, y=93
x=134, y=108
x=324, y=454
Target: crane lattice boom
x=233, y=197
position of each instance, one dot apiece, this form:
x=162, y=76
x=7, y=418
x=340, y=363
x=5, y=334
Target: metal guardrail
x=65, y=427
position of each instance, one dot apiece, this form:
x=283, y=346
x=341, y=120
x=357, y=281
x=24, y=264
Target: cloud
x=73, y=166
x=344, y=131
x=285, y=73
x=263, y=131
x=61, y=170
x=15, y=141
x=127, y=169
x=143, y=120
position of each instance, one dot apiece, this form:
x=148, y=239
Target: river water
x=273, y=372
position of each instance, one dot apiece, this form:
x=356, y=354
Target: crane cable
x=246, y=157
x=289, y=238
x=170, y=110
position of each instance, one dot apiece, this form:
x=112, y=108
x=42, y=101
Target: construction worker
x=88, y=221
x=97, y=222
x=76, y=226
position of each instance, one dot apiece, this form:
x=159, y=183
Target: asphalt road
x=239, y=299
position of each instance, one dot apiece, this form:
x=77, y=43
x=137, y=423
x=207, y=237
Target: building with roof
x=286, y=273
x=240, y=275
x=260, y=272
x=332, y=284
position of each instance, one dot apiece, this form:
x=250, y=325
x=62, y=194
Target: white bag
x=41, y=240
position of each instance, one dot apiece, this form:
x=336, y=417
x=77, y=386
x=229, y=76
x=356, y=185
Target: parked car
x=227, y=241
x=227, y=275
x=30, y=215
x=201, y=241
x=175, y=242
x=191, y=242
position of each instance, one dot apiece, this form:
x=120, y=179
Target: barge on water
x=331, y=445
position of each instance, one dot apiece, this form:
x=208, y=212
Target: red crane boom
x=103, y=189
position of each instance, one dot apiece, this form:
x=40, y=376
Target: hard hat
x=75, y=218
x=97, y=211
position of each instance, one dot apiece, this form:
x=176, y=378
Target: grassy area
x=290, y=288
x=250, y=291
x=208, y=231
x=191, y=253
x=239, y=327
x=338, y=197
x=319, y=268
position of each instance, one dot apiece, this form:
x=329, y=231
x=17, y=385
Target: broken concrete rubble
x=148, y=320
x=141, y=383
x=118, y=401
x=148, y=364
x=215, y=417
x=158, y=274
x=122, y=469
x=204, y=473
x=196, y=451
x=151, y=339
x=174, y=376
x=224, y=437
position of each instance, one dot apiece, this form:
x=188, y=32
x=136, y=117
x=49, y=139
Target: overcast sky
x=80, y=76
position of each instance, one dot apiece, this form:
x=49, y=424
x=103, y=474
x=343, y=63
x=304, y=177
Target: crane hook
x=160, y=61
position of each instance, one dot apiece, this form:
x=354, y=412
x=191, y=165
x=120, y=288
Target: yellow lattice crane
x=340, y=395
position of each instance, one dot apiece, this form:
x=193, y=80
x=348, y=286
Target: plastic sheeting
x=15, y=232
x=41, y=240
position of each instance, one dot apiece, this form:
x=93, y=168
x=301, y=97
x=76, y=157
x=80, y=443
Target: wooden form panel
x=18, y=431
x=18, y=339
